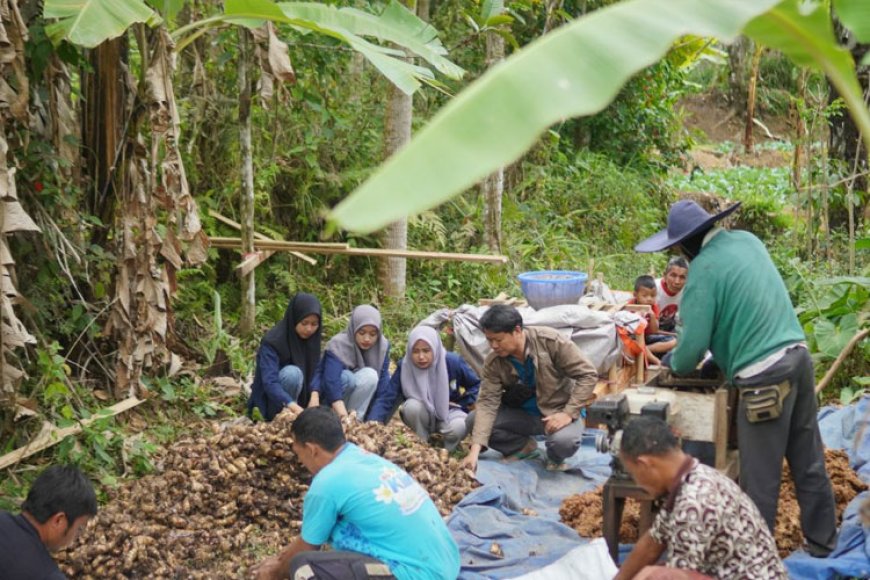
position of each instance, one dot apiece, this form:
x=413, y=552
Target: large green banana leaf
x=396, y=24
x=575, y=70
x=855, y=15
x=90, y=22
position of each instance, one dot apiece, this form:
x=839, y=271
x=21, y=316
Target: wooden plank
x=692, y=414
x=641, y=360
x=51, y=434
x=500, y=299
x=639, y=308
x=252, y=261
x=720, y=428
x=601, y=389
x=332, y=248
x=696, y=416
x=732, y=464
x=258, y=236
x=503, y=298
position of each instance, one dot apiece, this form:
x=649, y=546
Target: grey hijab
x=344, y=345
x=431, y=386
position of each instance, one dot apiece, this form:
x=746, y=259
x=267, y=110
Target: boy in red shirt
x=657, y=341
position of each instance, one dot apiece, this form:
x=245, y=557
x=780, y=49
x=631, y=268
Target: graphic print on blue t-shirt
x=397, y=486
x=363, y=503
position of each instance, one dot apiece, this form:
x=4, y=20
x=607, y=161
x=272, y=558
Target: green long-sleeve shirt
x=735, y=304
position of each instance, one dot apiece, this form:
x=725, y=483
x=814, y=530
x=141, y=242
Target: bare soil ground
x=712, y=121
x=584, y=513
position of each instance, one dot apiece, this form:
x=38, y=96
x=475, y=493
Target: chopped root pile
x=221, y=503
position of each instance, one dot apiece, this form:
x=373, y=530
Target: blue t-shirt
x=361, y=502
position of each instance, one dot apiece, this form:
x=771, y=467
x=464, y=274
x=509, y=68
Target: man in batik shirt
x=707, y=526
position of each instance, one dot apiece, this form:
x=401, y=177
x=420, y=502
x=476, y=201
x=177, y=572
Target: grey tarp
x=593, y=332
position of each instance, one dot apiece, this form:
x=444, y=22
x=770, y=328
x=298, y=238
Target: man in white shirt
x=669, y=292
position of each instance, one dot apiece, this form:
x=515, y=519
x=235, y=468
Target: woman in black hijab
x=287, y=359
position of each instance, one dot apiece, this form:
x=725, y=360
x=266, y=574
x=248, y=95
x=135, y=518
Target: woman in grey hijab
x=438, y=387
x=356, y=364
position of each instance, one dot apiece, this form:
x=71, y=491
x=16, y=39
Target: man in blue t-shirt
x=378, y=520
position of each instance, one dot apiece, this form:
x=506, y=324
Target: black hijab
x=291, y=349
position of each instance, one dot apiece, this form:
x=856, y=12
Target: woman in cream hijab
x=438, y=387
x=356, y=364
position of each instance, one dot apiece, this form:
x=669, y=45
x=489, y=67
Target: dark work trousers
x=513, y=427
x=337, y=565
x=795, y=437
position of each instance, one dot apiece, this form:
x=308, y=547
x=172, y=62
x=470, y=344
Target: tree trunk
x=423, y=10
x=492, y=187
x=800, y=143
x=739, y=59
x=825, y=210
x=397, y=133
x=750, y=100
x=249, y=304
x=105, y=96
x=844, y=141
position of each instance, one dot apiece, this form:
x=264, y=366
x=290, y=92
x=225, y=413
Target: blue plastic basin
x=545, y=288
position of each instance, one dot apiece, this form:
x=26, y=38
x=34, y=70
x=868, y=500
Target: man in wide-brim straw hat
x=735, y=305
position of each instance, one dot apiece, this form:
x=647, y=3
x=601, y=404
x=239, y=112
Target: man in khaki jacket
x=534, y=382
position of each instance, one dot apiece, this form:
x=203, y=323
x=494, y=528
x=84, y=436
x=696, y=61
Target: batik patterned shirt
x=709, y=525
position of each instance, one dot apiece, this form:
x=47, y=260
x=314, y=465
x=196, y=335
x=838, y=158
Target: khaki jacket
x=564, y=379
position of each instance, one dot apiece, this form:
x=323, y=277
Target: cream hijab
x=344, y=345
x=431, y=385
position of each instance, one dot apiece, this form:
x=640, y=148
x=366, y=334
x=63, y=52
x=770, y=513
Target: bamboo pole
x=257, y=236
x=331, y=248
x=230, y=242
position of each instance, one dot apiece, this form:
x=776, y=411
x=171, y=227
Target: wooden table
x=616, y=491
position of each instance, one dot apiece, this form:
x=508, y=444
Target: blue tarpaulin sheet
x=517, y=508
x=844, y=428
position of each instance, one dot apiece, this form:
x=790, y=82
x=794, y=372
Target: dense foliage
x=585, y=194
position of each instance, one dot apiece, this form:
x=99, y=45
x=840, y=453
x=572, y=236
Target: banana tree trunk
x=105, y=106
x=14, y=117
x=493, y=185
x=249, y=304
x=153, y=183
